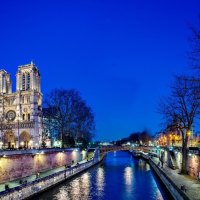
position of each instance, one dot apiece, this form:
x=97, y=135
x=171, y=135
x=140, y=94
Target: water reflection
x=143, y=165
x=100, y=180
x=77, y=189
x=121, y=177
x=128, y=175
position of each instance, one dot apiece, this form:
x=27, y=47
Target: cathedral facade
x=20, y=111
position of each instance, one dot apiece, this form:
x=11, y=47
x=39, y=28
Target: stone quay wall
x=172, y=188
x=193, y=166
x=28, y=190
x=18, y=164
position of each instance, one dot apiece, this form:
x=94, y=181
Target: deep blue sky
x=121, y=55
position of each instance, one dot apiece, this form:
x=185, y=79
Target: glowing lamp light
x=22, y=143
x=189, y=133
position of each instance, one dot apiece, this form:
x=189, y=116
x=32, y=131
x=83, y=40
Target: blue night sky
x=121, y=55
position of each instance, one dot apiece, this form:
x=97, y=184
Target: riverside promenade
x=175, y=181
x=33, y=185
x=29, y=179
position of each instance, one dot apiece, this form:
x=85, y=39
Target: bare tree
x=68, y=113
x=85, y=125
x=181, y=109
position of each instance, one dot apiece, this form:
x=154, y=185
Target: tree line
x=140, y=138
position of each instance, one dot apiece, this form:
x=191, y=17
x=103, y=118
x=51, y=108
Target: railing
x=26, y=190
x=34, y=151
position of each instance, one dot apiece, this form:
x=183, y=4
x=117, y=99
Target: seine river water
x=120, y=176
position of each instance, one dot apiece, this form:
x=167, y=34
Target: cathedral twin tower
x=20, y=112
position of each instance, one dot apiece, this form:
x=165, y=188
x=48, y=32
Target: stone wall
x=22, y=165
x=193, y=166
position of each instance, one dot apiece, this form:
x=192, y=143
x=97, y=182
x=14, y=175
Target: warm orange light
x=189, y=133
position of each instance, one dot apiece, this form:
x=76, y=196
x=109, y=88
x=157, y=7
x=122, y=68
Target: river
x=119, y=177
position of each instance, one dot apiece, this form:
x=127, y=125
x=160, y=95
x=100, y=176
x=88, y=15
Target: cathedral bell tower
x=5, y=83
x=28, y=78
x=29, y=98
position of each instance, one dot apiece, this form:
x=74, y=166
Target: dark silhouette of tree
x=68, y=141
x=68, y=113
x=44, y=138
x=181, y=109
x=142, y=138
x=145, y=137
x=135, y=137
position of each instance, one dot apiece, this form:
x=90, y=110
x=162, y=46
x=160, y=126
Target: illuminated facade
x=20, y=111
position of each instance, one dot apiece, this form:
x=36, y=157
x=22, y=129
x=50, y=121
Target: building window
x=29, y=117
x=23, y=116
x=28, y=82
x=28, y=99
x=23, y=82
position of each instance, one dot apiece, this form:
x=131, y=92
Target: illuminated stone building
x=20, y=111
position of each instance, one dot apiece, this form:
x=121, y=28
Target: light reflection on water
x=120, y=177
x=77, y=189
x=128, y=176
x=100, y=180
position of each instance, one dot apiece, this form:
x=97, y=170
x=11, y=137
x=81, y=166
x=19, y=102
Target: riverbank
x=181, y=187
x=28, y=189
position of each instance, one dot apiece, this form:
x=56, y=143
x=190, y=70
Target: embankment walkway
x=191, y=185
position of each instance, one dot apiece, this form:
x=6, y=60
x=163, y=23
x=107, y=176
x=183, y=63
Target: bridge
x=106, y=149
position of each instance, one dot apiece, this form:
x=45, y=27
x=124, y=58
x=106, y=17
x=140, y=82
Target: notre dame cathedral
x=20, y=111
